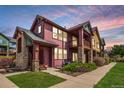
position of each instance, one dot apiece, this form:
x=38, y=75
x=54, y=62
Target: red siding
x=49, y=37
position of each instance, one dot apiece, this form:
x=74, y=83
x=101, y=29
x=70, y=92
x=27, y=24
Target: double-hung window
x=55, y=33
x=39, y=29
x=56, y=53
x=60, y=36
x=64, y=36
x=60, y=56
x=74, y=41
x=65, y=53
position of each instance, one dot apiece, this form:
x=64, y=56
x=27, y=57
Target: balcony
x=5, y=53
x=74, y=44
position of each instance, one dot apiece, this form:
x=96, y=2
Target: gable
x=3, y=40
x=87, y=27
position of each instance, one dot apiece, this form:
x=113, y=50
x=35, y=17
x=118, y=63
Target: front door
x=50, y=57
x=41, y=55
x=45, y=56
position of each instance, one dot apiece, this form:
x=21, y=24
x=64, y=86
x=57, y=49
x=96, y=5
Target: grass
x=114, y=78
x=35, y=80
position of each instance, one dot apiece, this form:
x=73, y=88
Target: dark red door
x=41, y=56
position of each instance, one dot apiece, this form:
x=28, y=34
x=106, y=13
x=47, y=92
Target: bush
x=79, y=67
x=5, y=61
x=120, y=60
x=99, y=61
x=12, y=64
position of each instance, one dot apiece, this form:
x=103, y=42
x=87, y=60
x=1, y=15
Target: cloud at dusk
x=108, y=19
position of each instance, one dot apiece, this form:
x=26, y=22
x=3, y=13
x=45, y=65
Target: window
x=74, y=41
x=93, y=42
x=1, y=41
x=60, y=35
x=55, y=53
x=55, y=33
x=65, y=54
x=65, y=36
x=60, y=54
x=75, y=57
x=97, y=45
x=39, y=29
x=19, y=45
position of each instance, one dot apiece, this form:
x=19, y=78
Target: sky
x=108, y=19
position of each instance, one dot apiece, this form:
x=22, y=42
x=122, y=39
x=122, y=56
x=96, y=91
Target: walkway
x=87, y=80
x=56, y=72
x=5, y=83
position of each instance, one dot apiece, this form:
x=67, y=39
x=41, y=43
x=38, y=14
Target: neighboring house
x=7, y=45
x=96, y=42
x=47, y=44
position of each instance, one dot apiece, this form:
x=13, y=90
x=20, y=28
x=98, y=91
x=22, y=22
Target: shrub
x=120, y=59
x=12, y=64
x=5, y=61
x=79, y=67
x=99, y=61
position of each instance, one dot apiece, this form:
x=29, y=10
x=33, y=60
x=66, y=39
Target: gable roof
x=38, y=17
x=10, y=39
x=32, y=36
x=81, y=26
x=78, y=26
x=4, y=36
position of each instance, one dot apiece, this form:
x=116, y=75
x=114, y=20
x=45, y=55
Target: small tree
x=117, y=50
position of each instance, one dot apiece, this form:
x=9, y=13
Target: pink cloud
x=55, y=15
x=114, y=42
x=104, y=24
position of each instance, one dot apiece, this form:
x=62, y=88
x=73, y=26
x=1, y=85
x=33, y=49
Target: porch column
x=91, y=51
x=35, y=63
x=81, y=47
x=8, y=50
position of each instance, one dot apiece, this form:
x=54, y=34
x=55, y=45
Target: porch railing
x=5, y=52
x=87, y=44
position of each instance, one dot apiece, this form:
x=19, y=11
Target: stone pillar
x=35, y=62
x=81, y=47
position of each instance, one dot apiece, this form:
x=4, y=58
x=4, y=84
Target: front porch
x=75, y=54
x=40, y=57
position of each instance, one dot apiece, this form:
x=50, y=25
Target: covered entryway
x=45, y=56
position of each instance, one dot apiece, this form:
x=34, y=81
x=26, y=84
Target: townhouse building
x=48, y=44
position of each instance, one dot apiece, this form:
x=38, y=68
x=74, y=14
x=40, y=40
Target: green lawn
x=35, y=80
x=114, y=78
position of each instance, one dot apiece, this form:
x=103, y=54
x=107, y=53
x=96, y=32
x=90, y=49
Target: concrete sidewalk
x=87, y=80
x=55, y=72
x=6, y=83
